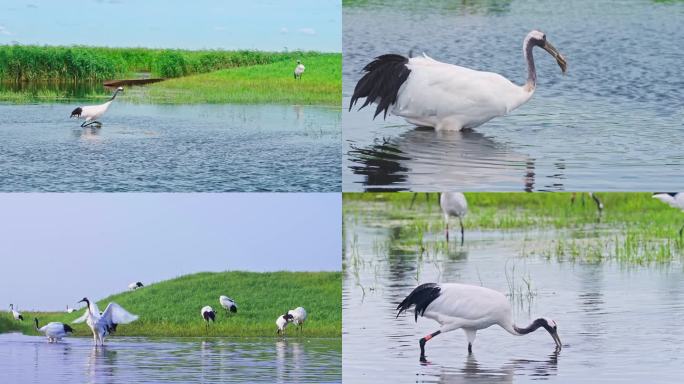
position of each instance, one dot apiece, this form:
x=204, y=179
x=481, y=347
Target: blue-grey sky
x=213, y=24
x=58, y=248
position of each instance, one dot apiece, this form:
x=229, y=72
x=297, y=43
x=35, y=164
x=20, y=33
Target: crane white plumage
x=134, y=286
x=674, y=200
x=282, y=321
x=298, y=316
x=93, y=112
x=208, y=314
x=429, y=93
x=104, y=323
x=299, y=70
x=54, y=331
x=453, y=204
x=16, y=314
x=469, y=308
x=228, y=304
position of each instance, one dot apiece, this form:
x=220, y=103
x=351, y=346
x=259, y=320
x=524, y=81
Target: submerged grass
x=633, y=228
x=172, y=307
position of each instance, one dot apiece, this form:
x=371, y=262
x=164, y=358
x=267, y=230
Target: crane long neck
x=531, y=83
x=530, y=328
x=37, y=327
x=114, y=95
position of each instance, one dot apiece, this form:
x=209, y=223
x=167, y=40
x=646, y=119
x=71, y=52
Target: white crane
x=282, y=321
x=93, y=112
x=299, y=70
x=208, y=313
x=429, y=93
x=228, y=304
x=467, y=307
x=298, y=316
x=453, y=204
x=134, y=286
x=54, y=331
x=16, y=314
x=104, y=323
x=70, y=310
x=674, y=200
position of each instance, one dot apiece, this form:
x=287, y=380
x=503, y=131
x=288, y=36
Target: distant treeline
x=79, y=63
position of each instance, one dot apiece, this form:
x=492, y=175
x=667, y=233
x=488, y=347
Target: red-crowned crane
x=93, y=112
x=104, y=323
x=429, y=93
x=228, y=304
x=453, y=204
x=470, y=308
x=299, y=70
x=674, y=200
x=54, y=331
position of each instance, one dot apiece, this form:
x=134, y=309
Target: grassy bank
x=30, y=74
x=320, y=84
x=80, y=63
x=633, y=228
x=172, y=307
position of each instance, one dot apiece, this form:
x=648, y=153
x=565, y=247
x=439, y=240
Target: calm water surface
x=614, y=122
x=30, y=359
x=618, y=323
x=170, y=148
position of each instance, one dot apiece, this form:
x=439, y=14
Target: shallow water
x=30, y=359
x=618, y=323
x=614, y=122
x=171, y=148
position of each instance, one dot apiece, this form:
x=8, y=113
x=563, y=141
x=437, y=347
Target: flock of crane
x=103, y=324
x=91, y=113
x=472, y=308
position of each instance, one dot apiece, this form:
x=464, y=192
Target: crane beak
x=557, y=339
x=556, y=55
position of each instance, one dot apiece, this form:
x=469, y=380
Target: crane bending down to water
x=470, y=308
x=93, y=112
x=429, y=93
x=674, y=200
x=105, y=323
x=54, y=331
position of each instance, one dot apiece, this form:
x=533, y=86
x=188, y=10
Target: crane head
x=84, y=300
x=120, y=89
x=552, y=328
x=539, y=39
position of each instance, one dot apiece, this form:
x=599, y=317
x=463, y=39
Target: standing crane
x=93, y=112
x=429, y=93
x=104, y=323
x=453, y=204
x=299, y=70
x=470, y=308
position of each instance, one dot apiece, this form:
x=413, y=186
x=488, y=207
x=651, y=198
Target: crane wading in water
x=93, y=112
x=470, y=308
x=429, y=93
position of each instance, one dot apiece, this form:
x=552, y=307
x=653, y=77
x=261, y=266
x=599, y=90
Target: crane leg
x=681, y=230
x=462, y=230
x=424, y=340
x=447, y=230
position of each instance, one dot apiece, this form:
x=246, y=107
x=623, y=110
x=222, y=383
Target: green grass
x=634, y=228
x=172, y=307
x=320, y=84
x=30, y=74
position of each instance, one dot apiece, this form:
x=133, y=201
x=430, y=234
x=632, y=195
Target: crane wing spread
x=115, y=314
x=82, y=318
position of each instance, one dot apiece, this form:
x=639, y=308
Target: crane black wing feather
x=384, y=76
x=421, y=297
